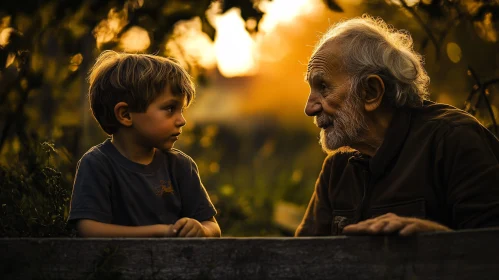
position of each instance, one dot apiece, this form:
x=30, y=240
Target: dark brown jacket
x=436, y=162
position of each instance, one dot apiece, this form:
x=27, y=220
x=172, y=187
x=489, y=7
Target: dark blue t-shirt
x=109, y=188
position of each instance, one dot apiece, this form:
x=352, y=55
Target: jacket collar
x=393, y=142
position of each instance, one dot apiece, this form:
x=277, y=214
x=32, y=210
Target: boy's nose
x=181, y=121
x=313, y=106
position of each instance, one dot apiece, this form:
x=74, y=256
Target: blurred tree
x=458, y=28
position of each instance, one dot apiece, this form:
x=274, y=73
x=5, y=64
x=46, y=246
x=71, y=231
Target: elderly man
x=397, y=163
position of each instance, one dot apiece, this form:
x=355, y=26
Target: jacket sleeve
x=468, y=159
x=318, y=216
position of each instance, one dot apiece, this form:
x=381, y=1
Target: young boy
x=135, y=184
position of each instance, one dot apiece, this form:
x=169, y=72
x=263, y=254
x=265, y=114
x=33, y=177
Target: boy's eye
x=173, y=108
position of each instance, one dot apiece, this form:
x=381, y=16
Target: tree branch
x=425, y=27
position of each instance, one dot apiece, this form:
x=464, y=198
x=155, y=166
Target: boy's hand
x=165, y=231
x=187, y=227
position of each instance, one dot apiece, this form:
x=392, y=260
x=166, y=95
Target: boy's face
x=161, y=124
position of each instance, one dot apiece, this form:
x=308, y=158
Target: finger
x=362, y=224
x=171, y=232
x=387, y=215
x=371, y=226
x=410, y=229
x=180, y=224
x=393, y=226
x=187, y=227
x=201, y=233
x=377, y=227
x=193, y=232
x=359, y=228
x=352, y=229
x=367, y=222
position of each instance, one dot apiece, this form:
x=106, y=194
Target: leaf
x=13, y=40
x=248, y=10
x=331, y=4
x=485, y=29
x=207, y=28
x=489, y=8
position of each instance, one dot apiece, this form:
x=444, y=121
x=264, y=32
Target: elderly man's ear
x=372, y=93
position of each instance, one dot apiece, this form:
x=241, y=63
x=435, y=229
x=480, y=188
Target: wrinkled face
x=161, y=124
x=337, y=111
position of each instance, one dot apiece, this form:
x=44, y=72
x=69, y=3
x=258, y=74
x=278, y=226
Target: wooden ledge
x=455, y=255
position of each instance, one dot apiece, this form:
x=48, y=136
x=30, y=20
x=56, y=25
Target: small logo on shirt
x=164, y=187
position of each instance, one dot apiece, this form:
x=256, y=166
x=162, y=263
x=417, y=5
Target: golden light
x=409, y=3
x=135, y=39
x=283, y=11
x=350, y=3
x=107, y=29
x=4, y=40
x=238, y=54
x=234, y=47
x=454, y=52
x=5, y=35
x=472, y=6
x=485, y=29
x=226, y=190
x=273, y=44
x=190, y=44
x=11, y=57
x=214, y=167
x=75, y=61
x=135, y=4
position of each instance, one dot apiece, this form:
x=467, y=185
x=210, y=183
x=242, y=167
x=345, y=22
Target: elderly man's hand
x=391, y=223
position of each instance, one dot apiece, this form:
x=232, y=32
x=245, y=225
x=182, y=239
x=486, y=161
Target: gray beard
x=349, y=126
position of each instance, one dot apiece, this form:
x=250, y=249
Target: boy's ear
x=373, y=92
x=122, y=114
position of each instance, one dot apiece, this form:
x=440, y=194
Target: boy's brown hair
x=136, y=79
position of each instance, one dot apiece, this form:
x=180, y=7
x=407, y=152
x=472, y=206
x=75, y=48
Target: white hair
x=369, y=46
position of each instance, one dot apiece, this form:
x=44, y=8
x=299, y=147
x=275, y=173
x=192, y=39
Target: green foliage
x=247, y=171
x=33, y=199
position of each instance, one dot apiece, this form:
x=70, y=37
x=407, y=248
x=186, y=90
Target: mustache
x=323, y=120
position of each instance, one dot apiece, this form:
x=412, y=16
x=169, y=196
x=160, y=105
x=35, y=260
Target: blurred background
x=257, y=152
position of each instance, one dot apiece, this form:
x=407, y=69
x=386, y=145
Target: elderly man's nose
x=313, y=107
